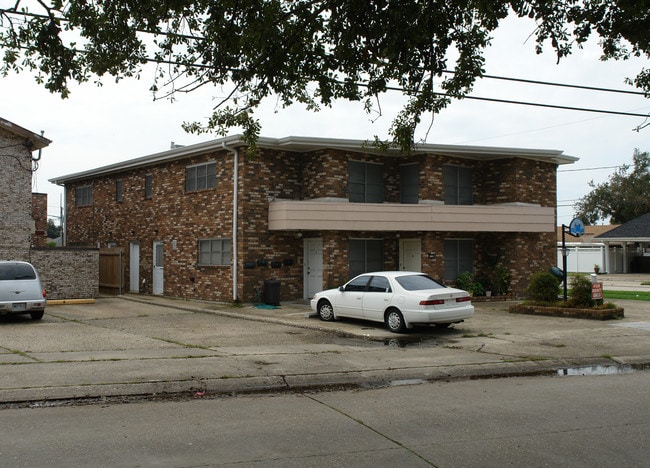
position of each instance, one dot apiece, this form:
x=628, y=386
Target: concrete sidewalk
x=145, y=345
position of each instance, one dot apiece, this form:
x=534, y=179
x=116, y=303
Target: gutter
x=235, y=189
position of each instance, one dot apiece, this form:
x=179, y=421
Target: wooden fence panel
x=111, y=271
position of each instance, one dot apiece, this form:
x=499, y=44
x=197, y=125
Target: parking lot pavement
x=144, y=345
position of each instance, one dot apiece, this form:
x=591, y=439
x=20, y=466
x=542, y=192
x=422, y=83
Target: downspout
x=235, y=189
x=64, y=217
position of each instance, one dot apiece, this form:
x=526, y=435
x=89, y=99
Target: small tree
x=543, y=287
x=623, y=197
x=580, y=292
x=464, y=281
x=53, y=231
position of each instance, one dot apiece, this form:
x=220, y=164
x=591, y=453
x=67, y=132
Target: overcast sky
x=97, y=126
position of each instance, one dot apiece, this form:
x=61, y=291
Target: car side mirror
x=341, y=288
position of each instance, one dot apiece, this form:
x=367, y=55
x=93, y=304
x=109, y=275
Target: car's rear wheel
x=37, y=315
x=395, y=321
x=325, y=311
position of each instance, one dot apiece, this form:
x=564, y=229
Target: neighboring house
x=628, y=246
x=22, y=213
x=210, y=221
x=584, y=252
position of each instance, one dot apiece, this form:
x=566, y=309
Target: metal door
x=313, y=268
x=410, y=255
x=158, y=276
x=134, y=267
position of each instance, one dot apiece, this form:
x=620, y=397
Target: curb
x=200, y=388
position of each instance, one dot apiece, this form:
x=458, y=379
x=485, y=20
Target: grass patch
x=627, y=295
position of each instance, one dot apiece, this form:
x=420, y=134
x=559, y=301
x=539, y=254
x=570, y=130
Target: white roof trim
x=302, y=144
x=38, y=141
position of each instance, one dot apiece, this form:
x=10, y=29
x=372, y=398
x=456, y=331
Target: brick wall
x=68, y=273
x=15, y=198
x=39, y=215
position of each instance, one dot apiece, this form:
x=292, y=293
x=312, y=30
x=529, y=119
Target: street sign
x=597, y=291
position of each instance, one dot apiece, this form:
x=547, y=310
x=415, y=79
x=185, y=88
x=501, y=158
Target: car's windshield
x=418, y=282
x=16, y=271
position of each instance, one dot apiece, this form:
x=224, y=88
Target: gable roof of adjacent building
x=637, y=230
x=33, y=141
x=308, y=144
x=591, y=232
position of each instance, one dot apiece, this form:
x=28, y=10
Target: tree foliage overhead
x=624, y=197
x=301, y=51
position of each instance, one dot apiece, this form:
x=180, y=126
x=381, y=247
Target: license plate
x=19, y=306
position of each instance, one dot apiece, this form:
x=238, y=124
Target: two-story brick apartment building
x=209, y=221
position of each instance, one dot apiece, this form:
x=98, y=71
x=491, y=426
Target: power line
x=564, y=85
x=553, y=106
x=402, y=90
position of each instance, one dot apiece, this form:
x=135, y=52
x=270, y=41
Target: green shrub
x=477, y=288
x=580, y=295
x=464, y=281
x=500, y=280
x=543, y=287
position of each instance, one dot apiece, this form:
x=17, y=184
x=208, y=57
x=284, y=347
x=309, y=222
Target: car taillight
x=432, y=302
x=463, y=299
x=44, y=293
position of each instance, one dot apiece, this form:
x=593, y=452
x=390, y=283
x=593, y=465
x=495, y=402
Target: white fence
x=583, y=257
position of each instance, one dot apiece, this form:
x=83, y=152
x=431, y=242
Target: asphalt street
x=141, y=346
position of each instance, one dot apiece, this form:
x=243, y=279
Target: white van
x=20, y=290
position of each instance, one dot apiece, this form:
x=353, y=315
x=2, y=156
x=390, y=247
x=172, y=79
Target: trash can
x=272, y=292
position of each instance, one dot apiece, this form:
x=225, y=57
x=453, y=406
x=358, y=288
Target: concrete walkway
x=144, y=345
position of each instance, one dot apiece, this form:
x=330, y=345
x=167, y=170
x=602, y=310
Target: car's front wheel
x=395, y=321
x=325, y=311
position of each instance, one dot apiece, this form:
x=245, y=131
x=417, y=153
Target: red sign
x=597, y=290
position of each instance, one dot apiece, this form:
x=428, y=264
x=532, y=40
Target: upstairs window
x=148, y=186
x=201, y=177
x=83, y=196
x=365, y=182
x=409, y=175
x=118, y=190
x=458, y=185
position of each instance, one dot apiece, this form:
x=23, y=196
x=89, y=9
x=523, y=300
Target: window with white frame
x=458, y=185
x=215, y=251
x=201, y=177
x=83, y=196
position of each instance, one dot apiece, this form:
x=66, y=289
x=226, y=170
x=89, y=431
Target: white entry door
x=410, y=255
x=134, y=267
x=158, y=276
x=313, y=268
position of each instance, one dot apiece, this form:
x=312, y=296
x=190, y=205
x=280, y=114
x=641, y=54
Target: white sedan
x=400, y=299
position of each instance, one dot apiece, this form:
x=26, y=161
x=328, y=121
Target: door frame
x=307, y=245
x=158, y=271
x=402, y=248
x=134, y=267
